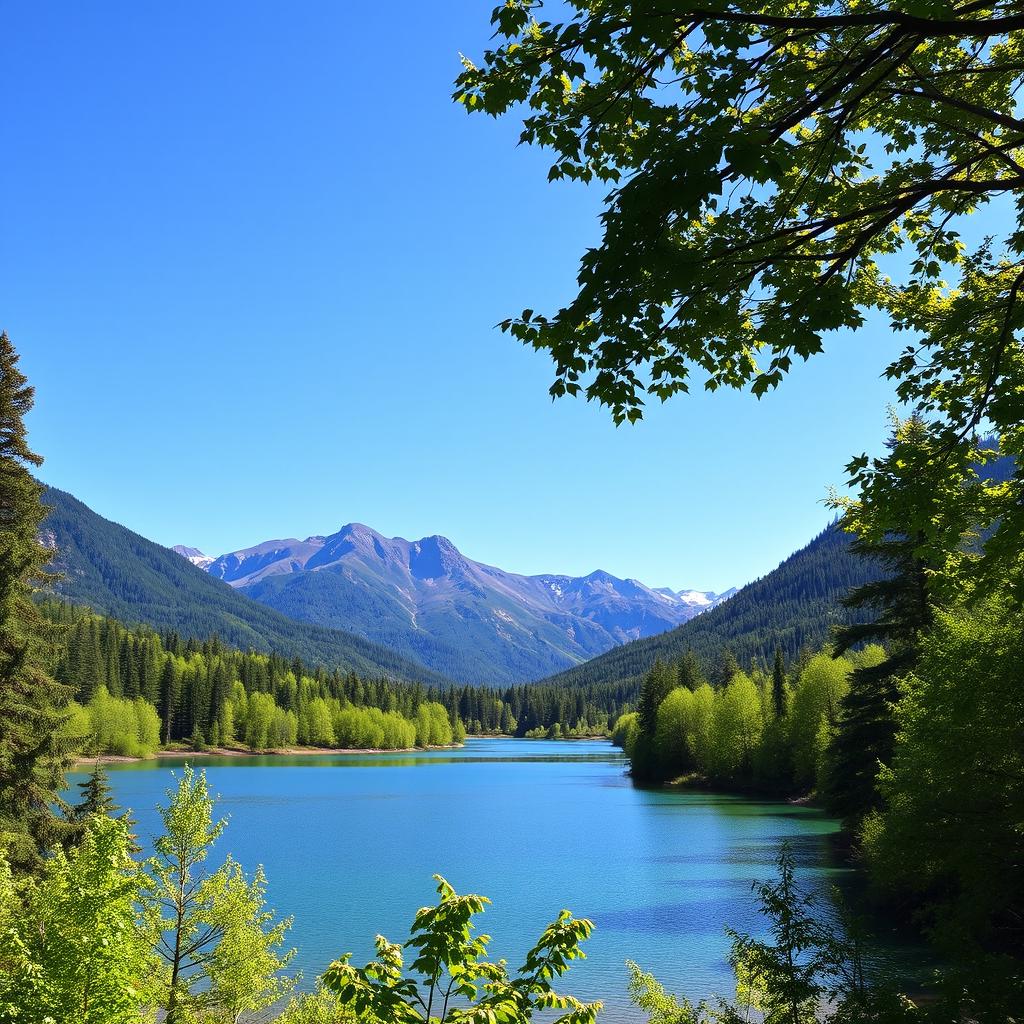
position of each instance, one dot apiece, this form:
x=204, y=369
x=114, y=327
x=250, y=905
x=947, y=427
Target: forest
x=203, y=693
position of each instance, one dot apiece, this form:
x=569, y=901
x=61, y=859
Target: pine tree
x=779, y=685
x=728, y=666
x=170, y=696
x=900, y=604
x=867, y=727
x=689, y=671
x=33, y=755
x=96, y=798
x=657, y=685
x=110, y=652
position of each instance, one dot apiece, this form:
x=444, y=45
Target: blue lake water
x=350, y=842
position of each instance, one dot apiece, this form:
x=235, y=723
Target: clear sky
x=252, y=256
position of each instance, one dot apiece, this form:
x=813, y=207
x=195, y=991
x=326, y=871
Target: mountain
x=194, y=555
x=793, y=606
x=428, y=601
x=119, y=573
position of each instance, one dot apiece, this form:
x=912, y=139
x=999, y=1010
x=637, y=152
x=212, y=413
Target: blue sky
x=252, y=257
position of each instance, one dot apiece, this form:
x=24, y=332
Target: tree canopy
x=778, y=172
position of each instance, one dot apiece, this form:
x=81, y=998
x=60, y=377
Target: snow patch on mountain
x=194, y=555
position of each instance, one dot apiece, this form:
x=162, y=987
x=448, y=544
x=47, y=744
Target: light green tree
x=73, y=946
x=674, y=721
x=700, y=736
x=450, y=980
x=319, y=1007
x=738, y=723
x=625, y=731
x=245, y=967
x=813, y=714
x=181, y=889
x=661, y=1007
x=221, y=945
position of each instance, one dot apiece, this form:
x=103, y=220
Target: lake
x=350, y=842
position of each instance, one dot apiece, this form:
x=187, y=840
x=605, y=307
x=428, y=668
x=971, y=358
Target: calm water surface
x=350, y=842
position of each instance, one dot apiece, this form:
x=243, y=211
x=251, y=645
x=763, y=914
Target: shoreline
x=163, y=754
x=273, y=752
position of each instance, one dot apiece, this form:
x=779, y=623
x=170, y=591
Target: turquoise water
x=350, y=842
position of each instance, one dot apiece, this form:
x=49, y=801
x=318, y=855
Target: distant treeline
x=207, y=693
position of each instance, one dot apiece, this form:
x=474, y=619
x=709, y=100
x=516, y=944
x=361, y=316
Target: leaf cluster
x=451, y=980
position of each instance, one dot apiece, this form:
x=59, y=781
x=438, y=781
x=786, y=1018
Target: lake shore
x=235, y=752
x=305, y=751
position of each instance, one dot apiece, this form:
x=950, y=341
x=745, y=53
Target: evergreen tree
x=657, y=685
x=34, y=755
x=902, y=614
x=728, y=666
x=867, y=728
x=96, y=798
x=170, y=694
x=689, y=671
x=779, y=685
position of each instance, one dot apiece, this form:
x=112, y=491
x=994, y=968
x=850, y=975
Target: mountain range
x=425, y=600
x=120, y=573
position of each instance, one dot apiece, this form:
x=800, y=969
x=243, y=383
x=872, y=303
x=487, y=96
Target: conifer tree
x=657, y=685
x=728, y=666
x=689, y=671
x=779, y=685
x=96, y=798
x=33, y=754
x=867, y=728
x=902, y=613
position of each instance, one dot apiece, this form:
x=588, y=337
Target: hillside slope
x=119, y=573
x=795, y=605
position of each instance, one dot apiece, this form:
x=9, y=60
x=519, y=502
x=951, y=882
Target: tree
x=85, y=955
x=448, y=961
x=949, y=830
x=181, y=890
x=700, y=737
x=813, y=715
x=900, y=603
x=35, y=752
x=656, y=686
x=661, y=1007
x=674, y=717
x=689, y=671
x=216, y=935
x=96, y=799
x=244, y=969
x=318, y=1007
x=779, y=685
x=752, y=207
x=737, y=729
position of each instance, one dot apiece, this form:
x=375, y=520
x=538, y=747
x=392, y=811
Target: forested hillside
x=117, y=572
x=793, y=607
x=206, y=692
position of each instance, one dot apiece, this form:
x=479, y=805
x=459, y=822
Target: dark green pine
x=34, y=753
x=95, y=795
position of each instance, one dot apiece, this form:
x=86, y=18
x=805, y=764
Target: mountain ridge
x=794, y=607
x=426, y=599
x=120, y=573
